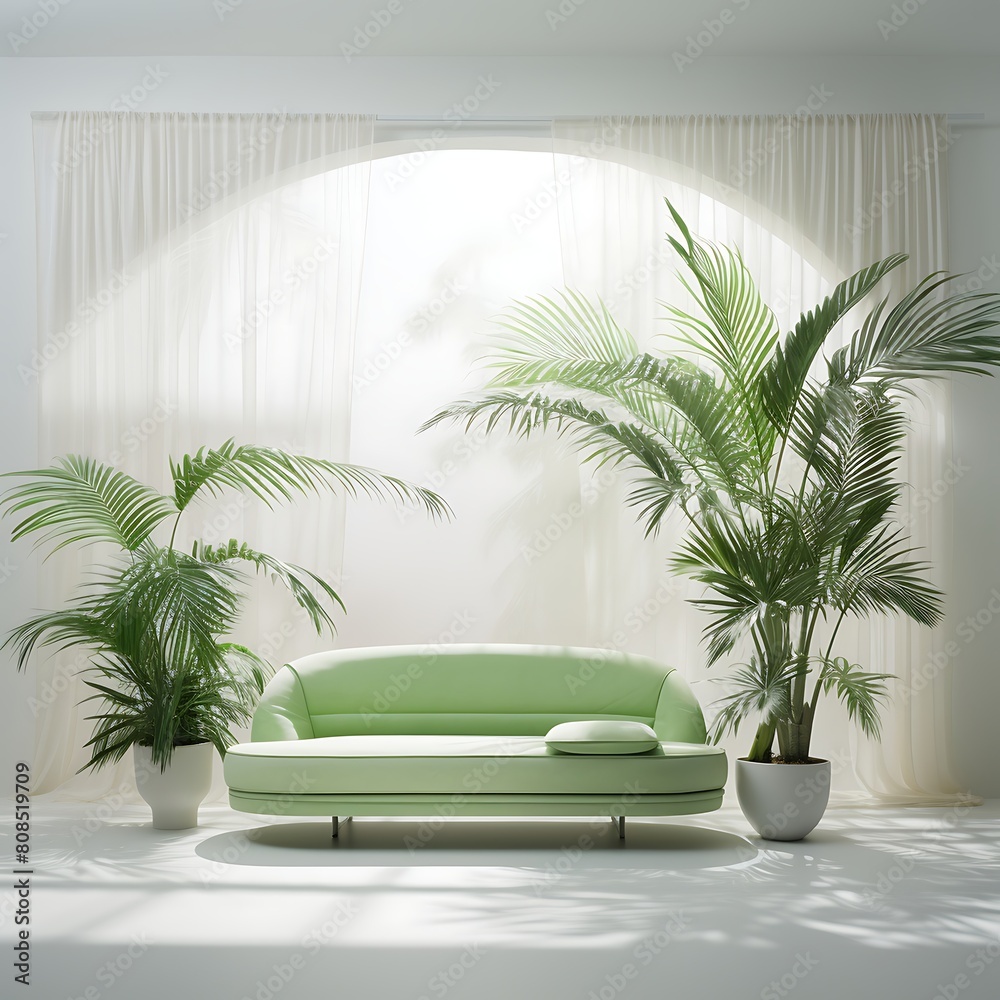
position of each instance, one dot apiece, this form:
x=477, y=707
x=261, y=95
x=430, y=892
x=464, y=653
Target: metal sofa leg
x=619, y=822
x=336, y=825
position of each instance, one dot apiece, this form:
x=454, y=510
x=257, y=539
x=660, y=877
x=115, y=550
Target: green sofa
x=460, y=731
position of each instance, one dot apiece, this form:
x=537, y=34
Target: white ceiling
x=499, y=27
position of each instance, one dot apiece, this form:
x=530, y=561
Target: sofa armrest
x=678, y=716
x=282, y=713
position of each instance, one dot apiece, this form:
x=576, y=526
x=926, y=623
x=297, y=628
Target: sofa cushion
x=462, y=765
x=604, y=736
x=470, y=690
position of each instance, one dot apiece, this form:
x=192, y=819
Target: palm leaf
x=758, y=688
x=877, y=577
x=782, y=381
x=81, y=500
x=860, y=691
x=300, y=582
x=542, y=329
x=741, y=333
x=276, y=476
x=925, y=335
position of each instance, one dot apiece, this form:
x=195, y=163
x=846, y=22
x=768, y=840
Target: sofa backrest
x=472, y=689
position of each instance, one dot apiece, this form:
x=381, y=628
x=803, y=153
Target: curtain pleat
x=199, y=277
x=809, y=200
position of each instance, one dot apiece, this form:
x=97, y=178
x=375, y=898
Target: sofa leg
x=336, y=827
x=619, y=822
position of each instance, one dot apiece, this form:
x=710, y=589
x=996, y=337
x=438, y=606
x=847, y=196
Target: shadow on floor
x=442, y=842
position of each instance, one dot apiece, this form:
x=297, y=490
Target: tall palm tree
x=783, y=463
x=155, y=618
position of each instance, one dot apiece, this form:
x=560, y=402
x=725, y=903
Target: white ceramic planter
x=783, y=801
x=175, y=794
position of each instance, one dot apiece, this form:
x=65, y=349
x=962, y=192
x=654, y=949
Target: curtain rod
x=976, y=116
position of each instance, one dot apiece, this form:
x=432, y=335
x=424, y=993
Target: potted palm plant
x=155, y=619
x=781, y=461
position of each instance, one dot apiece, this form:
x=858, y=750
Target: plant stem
x=760, y=749
x=173, y=534
x=814, y=701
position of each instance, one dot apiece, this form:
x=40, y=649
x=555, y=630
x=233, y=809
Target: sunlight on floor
x=516, y=908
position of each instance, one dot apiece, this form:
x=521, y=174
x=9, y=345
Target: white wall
x=533, y=87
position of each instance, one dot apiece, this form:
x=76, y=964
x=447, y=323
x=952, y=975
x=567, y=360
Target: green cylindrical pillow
x=601, y=736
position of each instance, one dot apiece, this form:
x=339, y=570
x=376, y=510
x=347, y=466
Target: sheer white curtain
x=198, y=279
x=809, y=200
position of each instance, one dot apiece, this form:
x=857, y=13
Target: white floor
x=879, y=902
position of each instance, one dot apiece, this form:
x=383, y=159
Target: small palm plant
x=155, y=619
x=782, y=463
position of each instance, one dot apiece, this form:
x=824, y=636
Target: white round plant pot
x=783, y=801
x=175, y=793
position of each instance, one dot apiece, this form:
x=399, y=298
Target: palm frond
x=276, y=476
x=757, y=689
x=741, y=333
x=301, y=583
x=782, y=381
x=81, y=500
x=877, y=577
x=926, y=334
x=709, y=432
x=541, y=330
x=861, y=692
